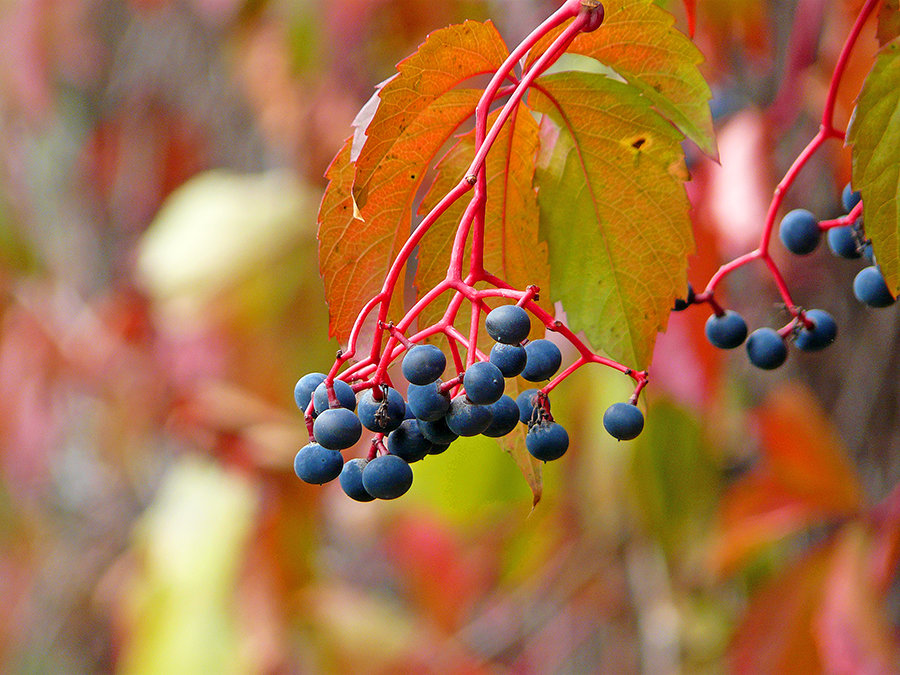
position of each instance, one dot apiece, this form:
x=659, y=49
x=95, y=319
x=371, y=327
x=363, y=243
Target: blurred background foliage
x=161, y=163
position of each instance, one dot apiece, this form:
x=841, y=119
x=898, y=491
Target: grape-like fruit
x=427, y=401
x=438, y=448
x=842, y=242
x=466, y=418
x=381, y=416
x=530, y=409
x=799, y=232
x=342, y=390
x=820, y=335
x=726, y=331
x=408, y=442
x=623, y=421
x=547, y=441
x=544, y=359
x=766, y=348
x=305, y=387
x=510, y=359
x=849, y=198
x=504, y=417
x=508, y=324
x=437, y=431
x=423, y=364
x=351, y=480
x=869, y=287
x=317, y=465
x=483, y=382
x=681, y=305
x=387, y=477
x=337, y=429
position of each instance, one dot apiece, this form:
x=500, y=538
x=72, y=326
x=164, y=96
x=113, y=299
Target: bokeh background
x=161, y=164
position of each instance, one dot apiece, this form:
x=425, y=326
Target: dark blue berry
x=423, y=364
x=508, y=324
x=408, y=442
x=305, y=387
x=623, y=421
x=544, y=359
x=726, y=331
x=510, y=359
x=466, y=418
x=427, y=401
x=799, y=232
x=342, y=390
x=869, y=287
x=869, y=252
x=681, y=305
x=547, y=441
x=820, y=335
x=766, y=348
x=483, y=382
x=337, y=429
x=381, y=416
x=351, y=480
x=438, y=448
x=849, y=198
x=409, y=415
x=437, y=431
x=387, y=477
x=530, y=409
x=843, y=242
x=317, y=465
x=505, y=417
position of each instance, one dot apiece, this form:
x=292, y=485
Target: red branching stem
x=643, y=379
x=564, y=374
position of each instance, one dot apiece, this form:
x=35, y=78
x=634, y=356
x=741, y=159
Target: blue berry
x=305, y=387
x=510, y=359
x=466, y=418
x=387, y=477
x=409, y=414
x=351, y=480
x=766, y=348
x=342, y=390
x=843, y=242
x=408, y=442
x=483, y=382
x=381, y=416
x=799, y=232
x=869, y=287
x=530, y=409
x=337, y=429
x=544, y=359
x=727, y=331
x=504, y=417
x=427, y=401
x=317, y=465
x=820, y=335
x=547, y=441
x=849, y=198
x=438, y=448
x=437, y=431
x=423, y=364
x=623, y=421
x=508, y=324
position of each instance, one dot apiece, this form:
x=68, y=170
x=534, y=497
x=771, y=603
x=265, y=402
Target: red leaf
x=803, y=478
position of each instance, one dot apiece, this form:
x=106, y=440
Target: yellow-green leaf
x=888, y=21
x=875, y=136
x=639, y=41
x=613, y=210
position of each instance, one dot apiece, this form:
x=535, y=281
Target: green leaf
x=190, y=547
x=875, y=136
x=356, y=250
x=613, y=210
x=447, y=57
x=639, y=41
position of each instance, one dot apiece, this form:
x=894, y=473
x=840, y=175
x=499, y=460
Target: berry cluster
x=814, y=329
x=436, y=413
